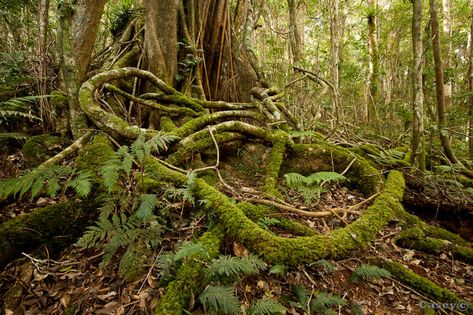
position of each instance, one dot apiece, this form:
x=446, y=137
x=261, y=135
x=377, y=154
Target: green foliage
x=325, y=264
x=389, y=157
x=49, y=180
x=267, y=306
x=302, y=297
x=127, y=219
x=188, y=249
x=279, y=270
x=310, y=187
x=229, y=267
x=366, y=272
x=267, y=222
x=120, y=16
x=221, y=299
x=19, y=108
x=323, y=302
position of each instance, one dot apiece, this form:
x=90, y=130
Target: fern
x=229, y=267
x=189, y=249
x=147, y=204
x=267, y=306
x=323, y=302
x=302, y=296
x=310, y=187
x=19, y=107
x=279, y=270
x=266, y=222
x=82, y=183
x=220, y=299
x=368, y=272
x=131, y=263
x=325, y=264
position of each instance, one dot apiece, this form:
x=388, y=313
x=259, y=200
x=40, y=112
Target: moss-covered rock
x=38, y=149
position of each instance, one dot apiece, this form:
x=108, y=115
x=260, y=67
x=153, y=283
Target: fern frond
x=137, y=148
x=13, y=135
x=294, y=180
x=323, y=177
x=368, y=272
x=266, y=222
x=82, y=183
x=110, y=172
x=37, y=186
x=160, y=142
x=324, y=301
x=302, y=296
x=220, y=299
x=188, y=249
x=279, y=270
x=53, y=187
x=233, y=267
x=327, y=265
x=147, y=205
x=266, y=306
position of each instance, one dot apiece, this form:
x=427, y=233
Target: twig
x=348, y=167
x=150, y=269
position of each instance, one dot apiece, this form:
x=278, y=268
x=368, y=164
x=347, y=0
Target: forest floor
x=51, y=286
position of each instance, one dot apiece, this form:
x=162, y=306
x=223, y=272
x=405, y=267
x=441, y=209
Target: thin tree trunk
x=335, y=52
x=418, y=155
x=439, y=83
x=294, y=36
x=470, y=87
x=447, y=34
x=373, y=94
x=45, y=108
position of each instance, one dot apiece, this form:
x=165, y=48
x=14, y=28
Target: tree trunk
x=373, y=94
x=418, y=154
x=439, y=83
x=335, y=52
x=294, y=35
x=77, y=31
x=470, y=87
x=161, y=38
x=447, y=34
x=45, y=108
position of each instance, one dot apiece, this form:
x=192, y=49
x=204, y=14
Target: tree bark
x=373, y=63
x=45, y=108
x=294, y=34
x=418, y=155
x=447, y=35
x=161, y=38
x=439, y=83
x=335, y=52
x=470, y=87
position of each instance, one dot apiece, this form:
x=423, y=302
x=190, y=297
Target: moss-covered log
x=55, y=226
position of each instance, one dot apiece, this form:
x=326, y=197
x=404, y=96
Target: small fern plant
x=127, y=218
x=316, y=302
x=366, y=272
x=47, y=180
x=310, y=187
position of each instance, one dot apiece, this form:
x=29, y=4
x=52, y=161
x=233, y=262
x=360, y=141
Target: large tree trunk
x=77, y=31
x=161, y=38
x=46, y=115
x=373, y=94
x=439, y=83
x=417, y=157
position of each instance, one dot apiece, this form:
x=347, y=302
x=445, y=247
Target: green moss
x=55, y=225
x=274, y=163
x=422, y=284
x=38, y=149
x=166, y=124
x=190, y=278
x=300, y=250
x=94, y=154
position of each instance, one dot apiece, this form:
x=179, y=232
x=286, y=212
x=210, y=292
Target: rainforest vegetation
x=236, y=157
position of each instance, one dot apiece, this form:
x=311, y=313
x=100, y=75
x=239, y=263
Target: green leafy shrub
x=366, y=272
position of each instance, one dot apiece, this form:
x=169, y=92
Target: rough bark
x=418, y=154
x=447, y=39
x=335, y=52
x=470, y=88
x=439, y=83
x=294, y=34
x=373, y=76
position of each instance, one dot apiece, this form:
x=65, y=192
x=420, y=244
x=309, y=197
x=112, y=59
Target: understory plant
x=310, y=187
